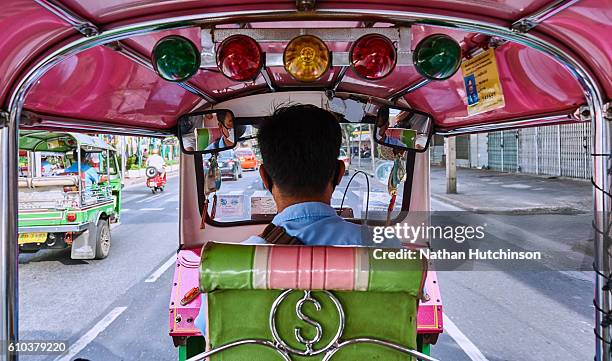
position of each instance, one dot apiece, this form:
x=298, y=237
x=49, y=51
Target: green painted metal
x=182, y=350
x=426, y=349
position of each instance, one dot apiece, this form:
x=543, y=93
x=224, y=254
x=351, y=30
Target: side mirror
x=208, y=131
x=403, y=128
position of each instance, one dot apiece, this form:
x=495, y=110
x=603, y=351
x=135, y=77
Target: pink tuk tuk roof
x=103, y=86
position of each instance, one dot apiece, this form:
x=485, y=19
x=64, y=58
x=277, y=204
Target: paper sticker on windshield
x=482, y=86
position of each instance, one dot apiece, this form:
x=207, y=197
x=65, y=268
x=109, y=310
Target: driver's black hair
x=300, y=145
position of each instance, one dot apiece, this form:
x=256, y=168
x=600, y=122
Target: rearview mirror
x=403, y=128
x=208, y=131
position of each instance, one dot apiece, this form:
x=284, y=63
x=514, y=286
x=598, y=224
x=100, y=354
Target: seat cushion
x=243, y=267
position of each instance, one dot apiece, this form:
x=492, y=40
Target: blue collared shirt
x=315, y=224
x=91, y=174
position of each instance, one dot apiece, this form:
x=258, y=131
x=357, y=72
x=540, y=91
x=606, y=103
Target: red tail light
x=240, y=58
x=70, y=189
x=71, y=217
x=373, y=57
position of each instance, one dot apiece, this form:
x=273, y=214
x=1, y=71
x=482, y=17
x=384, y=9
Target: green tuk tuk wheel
x=103, y=239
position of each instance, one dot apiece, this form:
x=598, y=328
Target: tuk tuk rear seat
x=300, y=303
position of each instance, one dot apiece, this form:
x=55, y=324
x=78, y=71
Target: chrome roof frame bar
x=529, y=22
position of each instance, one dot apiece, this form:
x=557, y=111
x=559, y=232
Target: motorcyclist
x=157, y=161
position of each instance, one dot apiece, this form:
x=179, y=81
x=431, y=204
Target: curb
x=564, y=210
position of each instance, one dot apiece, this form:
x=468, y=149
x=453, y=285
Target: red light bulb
x=373, y=57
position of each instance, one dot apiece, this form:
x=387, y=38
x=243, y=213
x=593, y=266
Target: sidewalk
x=486, y=191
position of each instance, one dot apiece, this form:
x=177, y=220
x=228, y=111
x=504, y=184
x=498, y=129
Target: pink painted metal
x=186, y=276
x=429, y=316
x=32, y=30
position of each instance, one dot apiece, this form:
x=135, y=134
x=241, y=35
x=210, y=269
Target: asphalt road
x=116, y=309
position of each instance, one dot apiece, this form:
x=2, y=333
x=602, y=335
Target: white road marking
x=82, y=342
x=461, y=339
x=160, y=271
x=149, y=199
x=151, y=209
x=133, y=198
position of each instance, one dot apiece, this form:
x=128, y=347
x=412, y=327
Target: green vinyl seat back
x=308, y=303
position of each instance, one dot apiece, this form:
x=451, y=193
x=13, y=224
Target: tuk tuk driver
x=299, y=146
x=87, y=168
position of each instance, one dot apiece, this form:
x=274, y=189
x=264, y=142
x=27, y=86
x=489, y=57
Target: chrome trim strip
x=339, y=77
x=512, y=124
x=264, y=35
x=529, y=22
x=418, y=355
x=9, y=248
x=58, y=9
x=53, y=229
x=409, y=89
x=88, y=126
x=593, y=94
x=268, y=79
x=266, y=343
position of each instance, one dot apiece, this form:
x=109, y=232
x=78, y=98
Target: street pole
x=450, y=148
x=371, y=132
x=359, y=148
x=9, y=293
x=124, y=152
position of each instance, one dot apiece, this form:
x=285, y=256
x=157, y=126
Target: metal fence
x=560, y=150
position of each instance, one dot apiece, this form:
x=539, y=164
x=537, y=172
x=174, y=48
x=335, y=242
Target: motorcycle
x=156, y=181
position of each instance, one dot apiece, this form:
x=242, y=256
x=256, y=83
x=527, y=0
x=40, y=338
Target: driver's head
x=299, y=146
x=85, y=159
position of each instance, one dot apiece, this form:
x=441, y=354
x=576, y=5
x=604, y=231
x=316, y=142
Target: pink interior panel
x=29, y=30
x=528, y=90
x=102, y=84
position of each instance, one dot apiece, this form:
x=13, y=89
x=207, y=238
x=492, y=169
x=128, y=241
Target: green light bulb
x=437, y=57
x=176, y=58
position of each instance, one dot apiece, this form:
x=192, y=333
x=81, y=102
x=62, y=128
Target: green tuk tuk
x=64, y=202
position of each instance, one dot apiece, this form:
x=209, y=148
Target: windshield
x=244, y=198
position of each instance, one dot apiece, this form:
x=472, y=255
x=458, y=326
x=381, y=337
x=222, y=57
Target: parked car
x=247, y=157
x=229, y=164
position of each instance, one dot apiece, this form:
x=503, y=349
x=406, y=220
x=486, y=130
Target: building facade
x=558, y=150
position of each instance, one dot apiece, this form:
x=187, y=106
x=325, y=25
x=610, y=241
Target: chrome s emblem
x=309, y=344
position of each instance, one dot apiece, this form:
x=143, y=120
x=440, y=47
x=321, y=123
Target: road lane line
x=86, y=339
x=151, y=209
x=148, y=199
x=461, y=339
x=160, y=271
